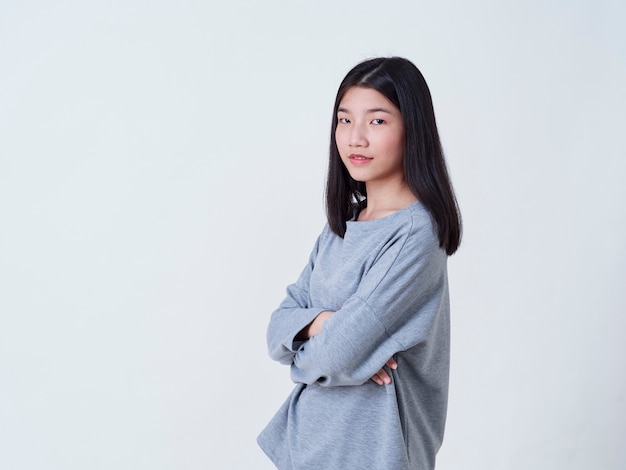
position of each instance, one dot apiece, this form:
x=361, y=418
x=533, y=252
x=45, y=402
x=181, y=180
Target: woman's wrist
x=315, y=327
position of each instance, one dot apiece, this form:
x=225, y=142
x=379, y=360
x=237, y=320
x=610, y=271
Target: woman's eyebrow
x=369, y=111
x=379, y=110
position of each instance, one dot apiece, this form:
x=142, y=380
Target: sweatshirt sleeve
x=396, y=306
x=293, y=314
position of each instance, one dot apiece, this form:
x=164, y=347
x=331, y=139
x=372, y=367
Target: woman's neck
x=383, y=200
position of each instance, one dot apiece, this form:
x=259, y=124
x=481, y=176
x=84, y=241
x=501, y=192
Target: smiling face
x=370, y=137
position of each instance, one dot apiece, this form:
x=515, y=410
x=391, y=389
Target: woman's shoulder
x=421, y=219
x=412, y=224
x=409, y=220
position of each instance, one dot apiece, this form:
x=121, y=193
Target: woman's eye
x=344, y=120
x=378, y=121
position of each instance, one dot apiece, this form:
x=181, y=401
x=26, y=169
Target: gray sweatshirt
x=386, y=281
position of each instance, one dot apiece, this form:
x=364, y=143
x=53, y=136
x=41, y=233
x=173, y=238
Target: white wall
x=161, y=178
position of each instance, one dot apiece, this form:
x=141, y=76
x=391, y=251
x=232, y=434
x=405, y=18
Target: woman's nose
x=357, y=137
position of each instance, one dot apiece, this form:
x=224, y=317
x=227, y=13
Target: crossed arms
x=393, y=309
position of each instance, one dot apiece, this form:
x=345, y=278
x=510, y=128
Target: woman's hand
x=314, y=327
x=382, y=377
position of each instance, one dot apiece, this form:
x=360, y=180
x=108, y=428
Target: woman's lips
x=358, y=159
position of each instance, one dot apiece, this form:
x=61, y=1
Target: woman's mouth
x=358, y=159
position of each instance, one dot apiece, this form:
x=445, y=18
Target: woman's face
x=370, y=136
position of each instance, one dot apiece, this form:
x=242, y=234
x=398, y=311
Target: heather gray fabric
x=387, y=282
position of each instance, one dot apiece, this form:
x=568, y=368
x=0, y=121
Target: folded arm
x=395, y=307
x=381, y=377
x=292, y=316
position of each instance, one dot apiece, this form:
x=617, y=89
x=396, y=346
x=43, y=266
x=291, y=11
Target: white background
x=162, y=168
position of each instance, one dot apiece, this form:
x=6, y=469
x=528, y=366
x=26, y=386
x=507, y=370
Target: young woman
x=365, y=328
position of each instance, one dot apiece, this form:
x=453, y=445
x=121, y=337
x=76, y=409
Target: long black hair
x=424, y=166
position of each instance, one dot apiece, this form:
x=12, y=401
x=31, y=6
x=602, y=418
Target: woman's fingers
x=392, y=363
x=382, y=377
x=379, y=377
